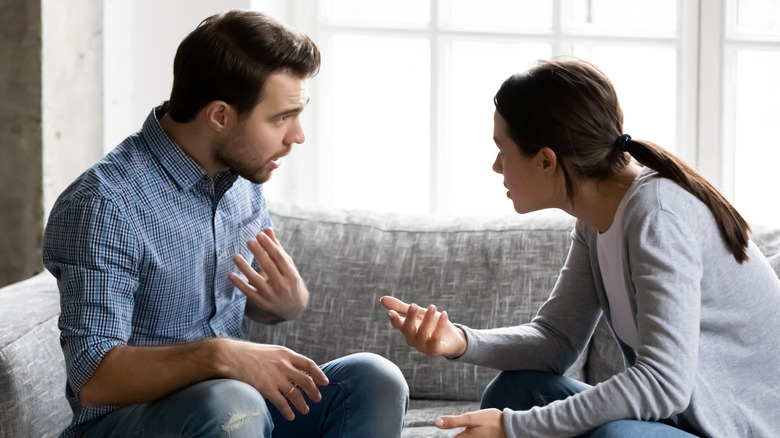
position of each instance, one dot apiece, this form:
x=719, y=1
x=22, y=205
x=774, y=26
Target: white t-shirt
x=610, y=252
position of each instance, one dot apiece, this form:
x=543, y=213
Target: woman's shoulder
x=656, y=196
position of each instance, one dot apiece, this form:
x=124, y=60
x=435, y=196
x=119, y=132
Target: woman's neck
x=596, y=201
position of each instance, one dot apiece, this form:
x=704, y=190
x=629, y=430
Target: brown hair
x=571, y=107
x=230, y=55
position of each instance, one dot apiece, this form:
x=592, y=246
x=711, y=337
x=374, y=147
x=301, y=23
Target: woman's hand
x=487, y=423
x=429, y=331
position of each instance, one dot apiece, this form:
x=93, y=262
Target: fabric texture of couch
x=485, y=271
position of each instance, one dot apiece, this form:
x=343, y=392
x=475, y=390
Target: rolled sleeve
x=93, y=254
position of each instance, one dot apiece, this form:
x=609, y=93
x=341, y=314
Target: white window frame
x=717, y=100
x=706, y=86
x=306, y=178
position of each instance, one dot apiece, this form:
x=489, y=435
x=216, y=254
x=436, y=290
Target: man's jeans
x=522, y=390
x=367, y=397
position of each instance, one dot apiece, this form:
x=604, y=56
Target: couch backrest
x=484, y=272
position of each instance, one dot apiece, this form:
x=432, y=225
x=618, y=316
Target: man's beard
x=243, y=169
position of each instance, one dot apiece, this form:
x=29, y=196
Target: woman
x=656, y=248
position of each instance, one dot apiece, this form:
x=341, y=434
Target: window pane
x=758, y=17
x=645, y=79
x=497, y=15
x=621, y=16
x=378, y=122
x=362, y=12
x=474, y=73
x=756, y=151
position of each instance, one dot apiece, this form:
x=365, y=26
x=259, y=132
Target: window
x=401, y=114
x=404, y=101
x=752, y=56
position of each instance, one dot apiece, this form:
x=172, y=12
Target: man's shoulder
x=115, y=177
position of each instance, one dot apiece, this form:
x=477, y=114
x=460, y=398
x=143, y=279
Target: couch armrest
x=32, y=367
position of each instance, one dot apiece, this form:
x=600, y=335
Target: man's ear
x=219, y=115
x=547, y=159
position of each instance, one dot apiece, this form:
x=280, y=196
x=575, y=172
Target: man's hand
x=278, y=289
x=140, y=374
x=429, y=331
x=278, y=373
x=487, y=423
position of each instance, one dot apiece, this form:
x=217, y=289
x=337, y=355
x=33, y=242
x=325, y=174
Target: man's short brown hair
x=230, y=55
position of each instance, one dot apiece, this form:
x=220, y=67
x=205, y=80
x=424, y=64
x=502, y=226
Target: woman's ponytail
x=733, y=227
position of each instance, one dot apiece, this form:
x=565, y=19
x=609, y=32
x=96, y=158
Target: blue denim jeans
x=367, y=397
x=522, y=390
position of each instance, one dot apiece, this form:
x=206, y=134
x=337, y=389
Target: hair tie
x=622, y=142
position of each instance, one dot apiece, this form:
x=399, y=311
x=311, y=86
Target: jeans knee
x=522, y=390
x=378, y=375
x=230, y=408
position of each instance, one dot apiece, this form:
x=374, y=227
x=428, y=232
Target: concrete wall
x=72, y=83
x=21, y=194
x=51, y=114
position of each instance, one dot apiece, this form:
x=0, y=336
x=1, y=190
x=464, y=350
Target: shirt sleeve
x=665, y=276
x=94, y=255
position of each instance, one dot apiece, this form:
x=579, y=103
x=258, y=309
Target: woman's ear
x=547, y=160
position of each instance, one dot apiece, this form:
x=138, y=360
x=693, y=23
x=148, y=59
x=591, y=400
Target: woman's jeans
x=367, y=397
x=522, y=390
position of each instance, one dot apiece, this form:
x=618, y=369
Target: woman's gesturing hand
x=427, y=330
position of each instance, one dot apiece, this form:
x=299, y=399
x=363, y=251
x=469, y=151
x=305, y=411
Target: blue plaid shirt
x=141, y=245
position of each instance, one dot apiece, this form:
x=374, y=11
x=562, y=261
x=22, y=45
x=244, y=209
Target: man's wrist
x=216, y=355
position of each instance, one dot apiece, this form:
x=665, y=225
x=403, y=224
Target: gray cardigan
x=708, y=327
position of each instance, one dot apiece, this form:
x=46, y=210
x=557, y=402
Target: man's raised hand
x=278, y=290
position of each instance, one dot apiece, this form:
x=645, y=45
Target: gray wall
x=51, y=90
x=21, y=182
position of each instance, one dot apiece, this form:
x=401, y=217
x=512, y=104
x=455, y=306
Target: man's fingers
x=270, y=233
x=269, y=267
x=282, y=262
x=280, y=401
x=311, y=370
x=295, y=396
x=245, y=288
x=251, y=275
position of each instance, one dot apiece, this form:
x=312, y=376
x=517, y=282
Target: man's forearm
x=130, y=374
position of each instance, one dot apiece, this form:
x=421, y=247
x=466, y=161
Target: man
x=150, y=251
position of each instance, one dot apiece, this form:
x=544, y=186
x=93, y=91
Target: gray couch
x=486, y=271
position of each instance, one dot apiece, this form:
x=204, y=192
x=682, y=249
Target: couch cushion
x=486, y=272
x=768, y=241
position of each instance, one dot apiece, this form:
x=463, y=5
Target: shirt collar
x=182, y=168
